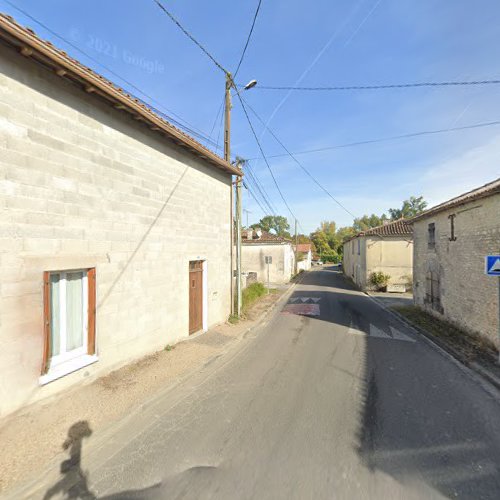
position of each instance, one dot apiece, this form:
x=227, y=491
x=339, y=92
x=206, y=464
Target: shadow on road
x=74, y=480
x=421, y=419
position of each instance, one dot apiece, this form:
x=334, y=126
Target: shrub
x=252, y=293
x=379, y=280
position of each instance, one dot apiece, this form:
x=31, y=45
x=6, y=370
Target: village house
x=256, y=246
x=304, y=256
x=387, y=248
x=115, y=225
x=451, y=242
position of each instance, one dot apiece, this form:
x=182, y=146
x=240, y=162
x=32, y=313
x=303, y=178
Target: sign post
x=492, y=268
x=268, y=260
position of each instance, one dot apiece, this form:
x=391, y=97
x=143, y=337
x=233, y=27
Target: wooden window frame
x=431, y=230
x=89, y=347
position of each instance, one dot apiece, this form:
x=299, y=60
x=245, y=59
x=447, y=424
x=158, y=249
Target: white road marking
x=400, y=336
x=378, y=333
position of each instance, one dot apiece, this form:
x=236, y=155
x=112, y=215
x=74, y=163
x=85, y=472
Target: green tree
x=411, y=207
x=276, y=223
x=320, y=242
x=367, y=222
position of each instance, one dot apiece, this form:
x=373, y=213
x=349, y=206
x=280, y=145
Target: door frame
x=204, y=293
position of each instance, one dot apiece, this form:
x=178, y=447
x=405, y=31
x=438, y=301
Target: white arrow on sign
x=495, y=268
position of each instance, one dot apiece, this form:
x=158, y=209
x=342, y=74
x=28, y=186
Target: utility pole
x=296, y=253
x=227, y=157
x=238, y=245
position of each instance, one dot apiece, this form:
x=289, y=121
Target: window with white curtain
x=68, y=315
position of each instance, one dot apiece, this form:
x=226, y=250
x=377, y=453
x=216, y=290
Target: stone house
x=110, y=247
x=304, y=256
x=451, y=242
x=256, y=246
x=387, y=248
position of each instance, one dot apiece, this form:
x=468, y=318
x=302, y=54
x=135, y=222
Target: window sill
x=68, y=367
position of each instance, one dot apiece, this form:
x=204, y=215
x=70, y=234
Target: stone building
x=387, y=248
x=115, y=233
x=256, y=246
x=451, y=242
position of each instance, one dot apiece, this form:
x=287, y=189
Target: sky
x=320, y=43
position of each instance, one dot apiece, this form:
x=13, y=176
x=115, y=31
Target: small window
x=352, y=247
x=69, y=317
x=452, y=227
x=359, y=247
x=431, y=239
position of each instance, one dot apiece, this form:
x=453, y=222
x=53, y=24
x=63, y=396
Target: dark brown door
x=195, y=296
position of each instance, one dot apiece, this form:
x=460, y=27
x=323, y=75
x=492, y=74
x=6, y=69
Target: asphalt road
x=343, y=403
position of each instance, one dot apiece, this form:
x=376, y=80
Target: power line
x=191, y=37
x=383, y=86
x=255, y=198
x=300, y=164
x=188, y=127
x=263, y=155
x=252, y=178
x=387, y=139
x=248, y=38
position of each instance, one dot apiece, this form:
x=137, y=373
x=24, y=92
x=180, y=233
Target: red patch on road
x=302, y=309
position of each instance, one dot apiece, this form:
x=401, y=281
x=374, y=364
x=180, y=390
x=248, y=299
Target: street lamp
x=227, y=157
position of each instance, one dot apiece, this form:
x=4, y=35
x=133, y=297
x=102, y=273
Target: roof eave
x=29, y=45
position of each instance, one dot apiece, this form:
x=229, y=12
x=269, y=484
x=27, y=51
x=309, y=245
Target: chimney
x=258, y=234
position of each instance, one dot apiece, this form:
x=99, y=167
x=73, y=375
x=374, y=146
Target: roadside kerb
x=471, y=368
x=150, y=410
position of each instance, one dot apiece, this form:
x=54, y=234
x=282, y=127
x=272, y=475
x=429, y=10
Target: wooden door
x=195, y=296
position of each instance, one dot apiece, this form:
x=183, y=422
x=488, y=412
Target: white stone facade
x=283, y=261
x=463, y=294
x=85, y=186
x=392, y=255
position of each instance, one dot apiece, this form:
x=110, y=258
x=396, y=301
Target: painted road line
x=378, y=333
x=400, y=336
x=302, y=309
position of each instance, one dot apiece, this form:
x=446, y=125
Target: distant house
x=304, y=256
x=387, y=248
x=116, y=234
x=451, y=241
x=256, y=246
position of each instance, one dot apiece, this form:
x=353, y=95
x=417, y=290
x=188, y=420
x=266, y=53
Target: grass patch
x=252, y=293
x=473, y=346
x=233, y=319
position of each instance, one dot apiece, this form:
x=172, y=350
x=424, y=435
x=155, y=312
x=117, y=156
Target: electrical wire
x=247, y=187
x=186, y=126
x=300, y=164
x=252, y=178
x=263, y=155
x=191, y=37
x=387, y=139
x=383, y=86
x=248, y=38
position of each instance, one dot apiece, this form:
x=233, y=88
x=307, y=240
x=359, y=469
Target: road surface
x=342, y=403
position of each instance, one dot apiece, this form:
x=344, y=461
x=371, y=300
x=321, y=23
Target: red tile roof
x=303, y=247
x=489, y=189
x=29, y=45
x=252, y=237
x=400, y=227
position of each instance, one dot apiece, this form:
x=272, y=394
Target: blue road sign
x=492, y=265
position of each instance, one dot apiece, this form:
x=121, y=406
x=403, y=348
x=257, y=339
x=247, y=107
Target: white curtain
x=55, y=331
x=74, y=310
